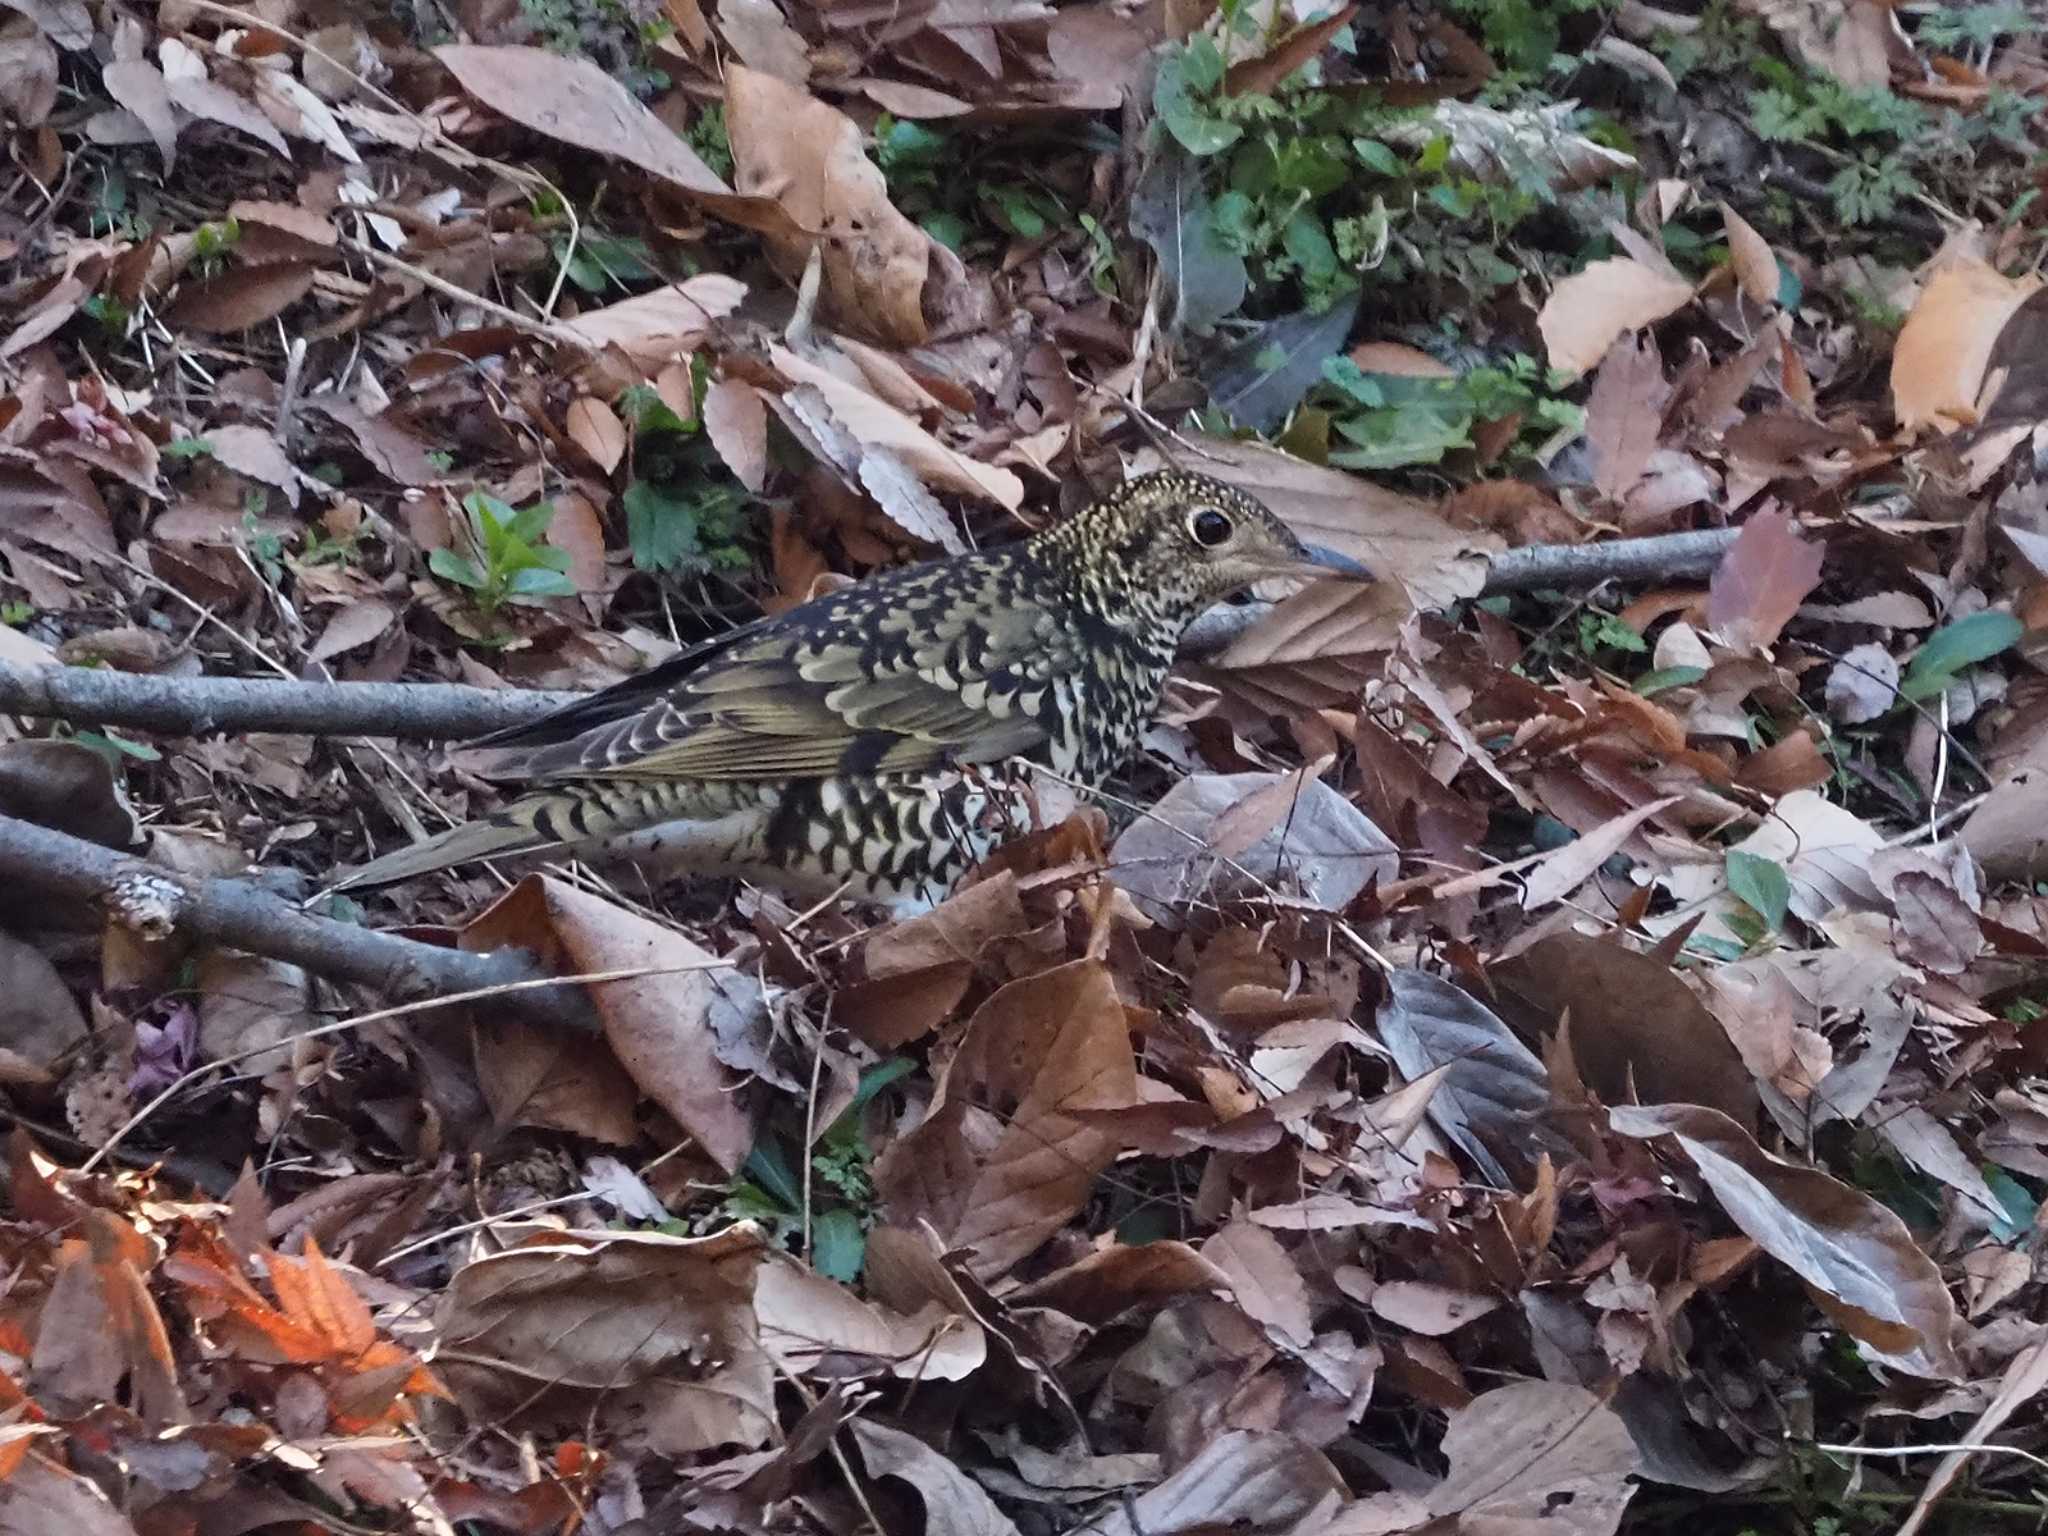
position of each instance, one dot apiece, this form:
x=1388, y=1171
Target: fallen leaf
x=808, y=156
x=1857, y=1259
x=240, y=298
x=1939, y=359
x=1000, y=1162
x=1761, y=581
x=573, y=100
x=1589, y=311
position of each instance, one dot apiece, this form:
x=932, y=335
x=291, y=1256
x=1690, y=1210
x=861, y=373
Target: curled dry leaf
x=1319, y=843
x=1939, y=359
x=808, y=156
x=663, y=1027
x=1590, y=310
x=1858, y=1260
x=1494, y=1094
x=1001, y=1162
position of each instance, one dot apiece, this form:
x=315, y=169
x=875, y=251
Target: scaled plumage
x=874, y=738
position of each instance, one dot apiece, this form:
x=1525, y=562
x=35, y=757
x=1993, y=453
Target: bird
x=876, y=742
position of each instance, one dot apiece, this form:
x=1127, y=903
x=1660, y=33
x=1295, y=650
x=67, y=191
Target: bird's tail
x=551, y=819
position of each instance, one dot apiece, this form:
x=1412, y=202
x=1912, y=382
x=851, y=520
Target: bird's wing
x=874, y=689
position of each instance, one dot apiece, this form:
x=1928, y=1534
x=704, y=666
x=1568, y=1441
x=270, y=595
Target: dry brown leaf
x=1264, y=1280
x=256, y=453
x=1858, y=1260
x=669, y=1320
x=737, y=423
x=875, y=424
x=575, y=101
x=1761, y=581
x=1589, y=311
x=357, y=624
x=662, y=325
x=1939, y=359
x=764, y=40
x=1427, y=1309
x=1624, y=415
x=139, y=87
x=808, y=156
x=1537, y=1455
x=1262, y=75
x=240, y=298
x=1756, y=268
x=595, y=427
x=1849, y=39
x=1001, y=1162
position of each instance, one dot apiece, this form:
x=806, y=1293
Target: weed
x=684, y=511
x=506, y=563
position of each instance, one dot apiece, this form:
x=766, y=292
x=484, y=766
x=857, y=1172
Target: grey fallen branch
x=196, y=706
x=242, y=915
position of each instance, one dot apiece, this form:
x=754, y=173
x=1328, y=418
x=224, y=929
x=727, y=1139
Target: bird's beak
x=1323, y=561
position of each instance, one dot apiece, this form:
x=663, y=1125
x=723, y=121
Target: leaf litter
x=1512, y=1053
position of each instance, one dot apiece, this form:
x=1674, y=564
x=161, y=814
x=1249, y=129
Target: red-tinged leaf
x=1261, y=75
x=1624, y=413
x=1761, y=581
x=240, y=298
x=313, y=1292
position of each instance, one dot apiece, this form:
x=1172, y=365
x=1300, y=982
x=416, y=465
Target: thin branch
x=197, y=706
x=245, y=916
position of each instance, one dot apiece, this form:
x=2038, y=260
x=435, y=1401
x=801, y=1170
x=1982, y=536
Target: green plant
x=841, y=1198
x=708, y=137
x=507, y=564
x=1395, y=421
x=1976, y=26
x=684, y=512
x=211, y=244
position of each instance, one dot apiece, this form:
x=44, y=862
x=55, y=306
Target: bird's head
x=1170, y=544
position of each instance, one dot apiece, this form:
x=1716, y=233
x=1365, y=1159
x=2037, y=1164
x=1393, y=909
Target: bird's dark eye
x=1209, y=528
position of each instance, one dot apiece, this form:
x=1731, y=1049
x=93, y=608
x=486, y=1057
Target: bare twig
x=197, y=706
x=245, y=916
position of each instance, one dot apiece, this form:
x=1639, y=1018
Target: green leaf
x=1375, y=156
x=1955, y=646
x=540, y=581
x=1308, y=242
x=1761, y=883
x=838, y=1246
x=1170, y=212
x=661, y=529
x=529, y=523
x=187, y=448
x=460, y=569
x=769, y=1168
x=1202, y=64
x=1651, y=683
x=1173, y=98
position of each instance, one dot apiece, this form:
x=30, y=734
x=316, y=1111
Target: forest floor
x=1554, y=1040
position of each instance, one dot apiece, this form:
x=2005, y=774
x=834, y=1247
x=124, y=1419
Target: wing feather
x=891, y=676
